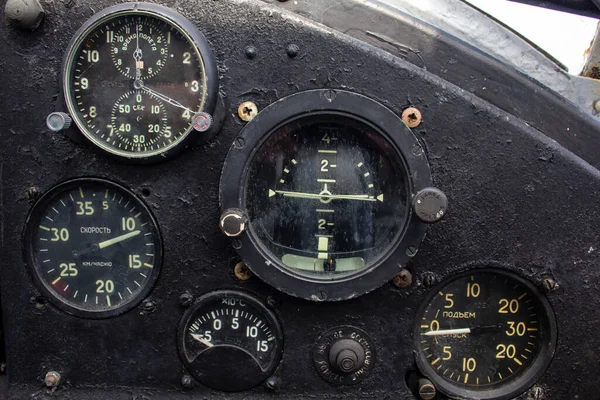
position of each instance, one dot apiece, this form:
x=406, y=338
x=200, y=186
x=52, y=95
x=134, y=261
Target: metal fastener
x=427, y=390
x=202, y=121
x=26, y=14
x=251, y=52
x=412, y=117
x=403, y=279
x=233, y=222
x=429, y=280
x=597, y=106
x=52, y=379
x=186, y=299
x=550, y=284
x=187, y=381
x=536, y=393
x=58, y=121
x=273, y=383
x=292, y=50
x=430, y=205
x=247, y=111
x=242, y=272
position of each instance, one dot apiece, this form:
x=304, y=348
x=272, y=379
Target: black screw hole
x=146, y=192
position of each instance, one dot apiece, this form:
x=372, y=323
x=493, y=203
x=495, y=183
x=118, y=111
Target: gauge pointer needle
x=118, y=239
x=201, y=340
x=476, y=330
x=165, y=98
x=137, y=55
x=361, y=197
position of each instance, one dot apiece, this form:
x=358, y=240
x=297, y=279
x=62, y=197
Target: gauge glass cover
x=327, y=195
x=135, y=79
x=485, y=334
x=93, y=248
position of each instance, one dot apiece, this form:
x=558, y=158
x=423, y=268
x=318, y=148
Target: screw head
x=292, y=50
x=187, y=382
x=273, y=383
x=427, y=390
x=58, y=121
x=242, y=272
x=247, y=111
x=429, y=280
x=202, y=121
x=550, y=284
x=430, y=205
x=251, y=52
x=186, y=299
x=233, y=222
x=403, y=279
x=412, y=117
x=52, y=379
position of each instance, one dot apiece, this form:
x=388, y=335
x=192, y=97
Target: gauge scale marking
x=228, y=330
x=134, y=79
x=94, y=248
x=485, y=332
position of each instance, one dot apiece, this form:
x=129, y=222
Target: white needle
x=167, y=99
x=447, y=332
x=202, y=340
x=118, y=239
x=362, y=197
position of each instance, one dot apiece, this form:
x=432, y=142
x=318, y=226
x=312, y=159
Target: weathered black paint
x=519, y=201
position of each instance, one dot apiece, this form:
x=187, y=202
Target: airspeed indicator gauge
x=325, y=181
x=136, y=78
x=93, y=248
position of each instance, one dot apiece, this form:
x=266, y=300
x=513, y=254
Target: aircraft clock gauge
x=138, y=78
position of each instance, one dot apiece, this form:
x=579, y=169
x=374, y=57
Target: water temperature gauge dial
x=229, y=333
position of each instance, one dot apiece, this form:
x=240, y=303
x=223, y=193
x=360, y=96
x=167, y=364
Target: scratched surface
x=518, y=200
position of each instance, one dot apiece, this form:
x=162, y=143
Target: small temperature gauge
x=229, y=333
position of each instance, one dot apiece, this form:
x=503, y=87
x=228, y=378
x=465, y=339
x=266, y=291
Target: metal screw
x=403, y=279
x=430, y=205
x=427, y=390
x=32, y=193
x=149, y=306
x=412, y=117
x=202, y=121
x=536, y=393
x=2, y=368
x=429, y=280
x=251, y=52
x=272, y=302
x=27, y=14
x=58, y=121
x=247, y=111
x=187, y=381
x=292, y=50
x=242, y=272
x=186, y=299
x=233, y=222
x=273, y=383
x=411, y=251
x=597, y=106
x=52, y=379
x=550, y=284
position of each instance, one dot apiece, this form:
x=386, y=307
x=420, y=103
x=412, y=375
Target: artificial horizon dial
x=135, y=80
x=229, y=333
x=93, y=247
x=485, y=333
x=326, y=194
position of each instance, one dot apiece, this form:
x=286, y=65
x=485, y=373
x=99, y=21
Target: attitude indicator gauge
x=93, y=248
x=138, y=78
x=230, y=333
x=485, y=334
x=325, y=182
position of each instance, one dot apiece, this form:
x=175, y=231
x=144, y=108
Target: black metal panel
x=518, y=201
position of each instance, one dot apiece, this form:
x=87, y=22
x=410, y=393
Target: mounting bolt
x=550, y=284
x=251, y=52
x=33, y=193
x=430, y=205
x=429, y=280
x=233, y=222
x=149, y=306
x=26, y=14
x=412, y=117
x=202, y=121
x=58, y=121
x=187, y=382
x=273, y=383
x=292, y=50
x=186, y=299
x=242, y=272
x=536, y=393
x=403, y=279
x=427, y=390
x=52, y=379
x=247, y=111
